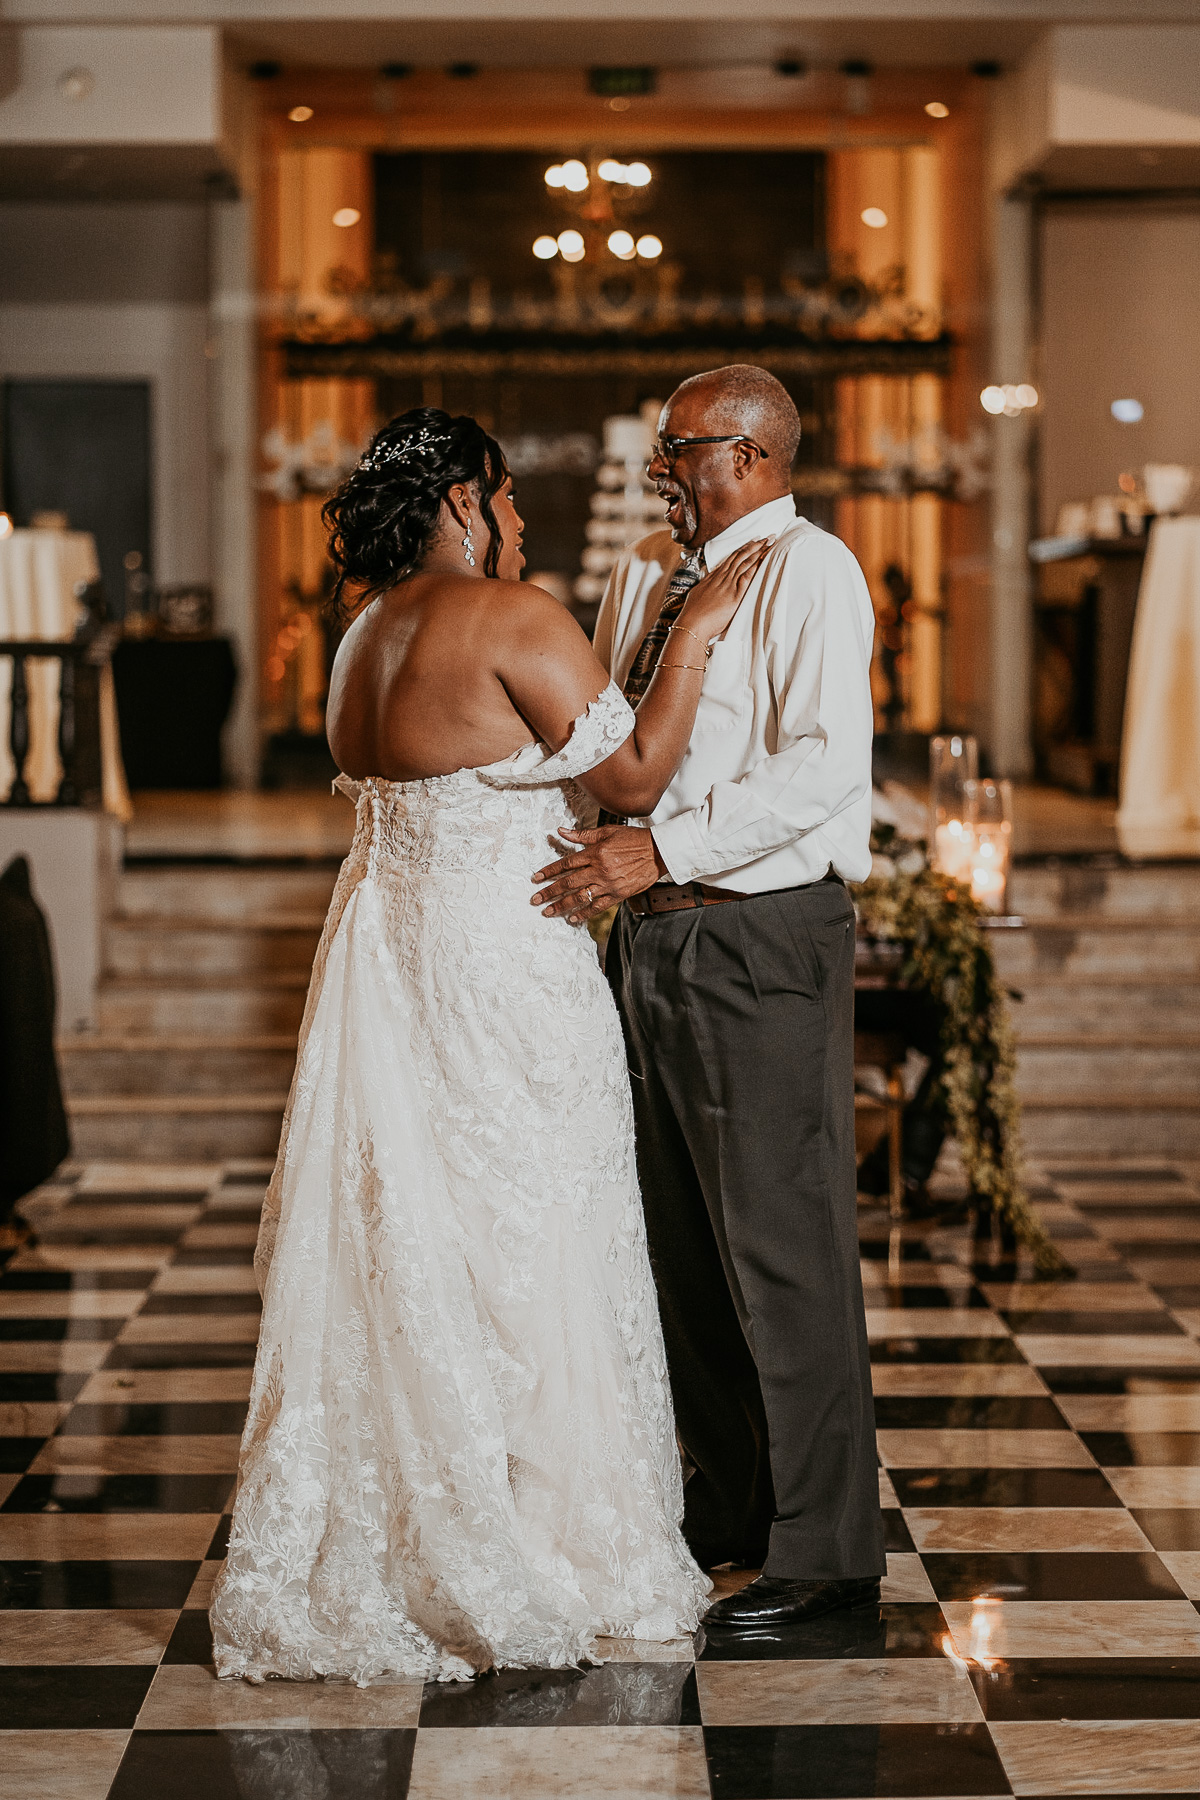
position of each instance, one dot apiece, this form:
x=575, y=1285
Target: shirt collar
x=764, y=521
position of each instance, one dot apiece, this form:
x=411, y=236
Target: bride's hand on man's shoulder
x=714, y=600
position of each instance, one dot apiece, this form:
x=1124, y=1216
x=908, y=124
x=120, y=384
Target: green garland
x=937, y=921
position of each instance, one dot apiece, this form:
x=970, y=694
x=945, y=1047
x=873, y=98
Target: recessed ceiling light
x=1127, y=412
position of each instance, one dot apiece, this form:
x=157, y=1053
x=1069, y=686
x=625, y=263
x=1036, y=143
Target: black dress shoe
x=779, y=1600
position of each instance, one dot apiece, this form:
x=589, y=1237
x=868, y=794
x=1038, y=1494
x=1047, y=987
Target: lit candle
x=953, y=845
x=989, y=865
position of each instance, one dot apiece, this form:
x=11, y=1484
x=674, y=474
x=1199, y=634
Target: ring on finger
x=587, y=894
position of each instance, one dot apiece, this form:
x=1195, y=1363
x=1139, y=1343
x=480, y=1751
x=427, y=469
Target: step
x=1084, y=946
x=132, y=1063
x=173, y=1005
x=1086, y=1004
x=1068, y=1064
x=1044, y=891
x=225, y=891
x=178, y=1128
x=164, y=946
x=1116, y=1122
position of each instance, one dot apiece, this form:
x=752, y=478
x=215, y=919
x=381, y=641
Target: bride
x=460, y=1451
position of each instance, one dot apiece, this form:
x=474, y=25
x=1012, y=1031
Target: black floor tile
x=18, y=1387
x=1094, y=1324
x=1170, y=1528
x=136, y=1197
x=74, y=1697
x=180, y=1356
x=1138, y=1249
x=16, y=1453
x=1051, y=1575
x=1121, y=1380
x=932, y=1296
x=186, y=1418
x=1177, y=1296
x=53, y=1331
x=73, y=1229
x=63, y=1281
x=875, y=1249
x=175, y=1305
x=617, y=1694
x=827, y=1762
x=896, y=1629
x=64, y=1585
x=967, y=1411
x=1091, y=1687
x=214, y=1256
x=259, y=1765
x=945, y=1350
x=121, y=1493
x=896, y=1535
x=191, y=1640
x=1002, y=1487
x=220, y=1540
x=1144, y=1449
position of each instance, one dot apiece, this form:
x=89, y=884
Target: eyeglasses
x=666, y=449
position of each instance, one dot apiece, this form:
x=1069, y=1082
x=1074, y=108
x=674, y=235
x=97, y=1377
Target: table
x=1159, y=813
x=173, y=696
x=39, y=572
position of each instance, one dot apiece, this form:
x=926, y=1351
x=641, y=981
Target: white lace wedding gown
x=460, y=1450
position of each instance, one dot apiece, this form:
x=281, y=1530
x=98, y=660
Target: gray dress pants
x=739, y=1023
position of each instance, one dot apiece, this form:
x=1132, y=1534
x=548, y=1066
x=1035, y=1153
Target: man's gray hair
x=750, y=401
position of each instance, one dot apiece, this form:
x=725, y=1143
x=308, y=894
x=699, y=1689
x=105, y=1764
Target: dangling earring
x=469, y=546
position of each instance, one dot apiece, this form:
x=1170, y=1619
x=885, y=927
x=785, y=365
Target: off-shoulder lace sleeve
x=595, y=734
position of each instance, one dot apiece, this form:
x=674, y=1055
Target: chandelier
x=604, y=196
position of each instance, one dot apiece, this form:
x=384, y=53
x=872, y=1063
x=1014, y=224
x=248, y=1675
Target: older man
x=732, y=960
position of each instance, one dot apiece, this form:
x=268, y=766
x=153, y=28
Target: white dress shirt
x=775, y=786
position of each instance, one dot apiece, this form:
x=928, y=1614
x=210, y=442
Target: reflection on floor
x=1040, y=1450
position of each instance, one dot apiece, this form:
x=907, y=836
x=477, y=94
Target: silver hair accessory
x=417, y=445
x=469, y=546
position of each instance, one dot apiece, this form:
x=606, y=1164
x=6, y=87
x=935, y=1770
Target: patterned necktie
x=646, y=661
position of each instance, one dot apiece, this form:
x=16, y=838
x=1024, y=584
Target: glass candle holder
x=953, y=761
x=989, y=805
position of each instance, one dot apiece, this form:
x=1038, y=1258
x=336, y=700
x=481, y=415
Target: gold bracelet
x=707, y=648
x=696, y=668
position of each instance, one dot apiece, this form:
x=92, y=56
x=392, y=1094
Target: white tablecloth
x=1159, y=813
x=39, y=571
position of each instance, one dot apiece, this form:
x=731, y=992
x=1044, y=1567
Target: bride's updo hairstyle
x=384, y=516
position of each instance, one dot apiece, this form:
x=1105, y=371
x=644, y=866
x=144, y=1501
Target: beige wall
x=1120, y=317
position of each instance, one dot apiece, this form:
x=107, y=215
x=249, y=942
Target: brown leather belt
x=665, y=897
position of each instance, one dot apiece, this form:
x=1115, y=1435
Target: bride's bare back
x=415, y=688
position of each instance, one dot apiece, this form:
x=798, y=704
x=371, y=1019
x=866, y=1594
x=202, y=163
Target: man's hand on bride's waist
x=614, y=861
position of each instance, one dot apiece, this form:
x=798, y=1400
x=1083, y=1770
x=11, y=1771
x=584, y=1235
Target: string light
x=545, y=247
x=621, y=244
x=300, y=115
x=875, y=217
x=649, y=247
x=6, y=525
x=937, y=109
x=1009, y=400
x=346, y=216
x=571, y=246
x=571, y=175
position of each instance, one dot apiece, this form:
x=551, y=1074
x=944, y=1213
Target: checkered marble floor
x=1040, y=1470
